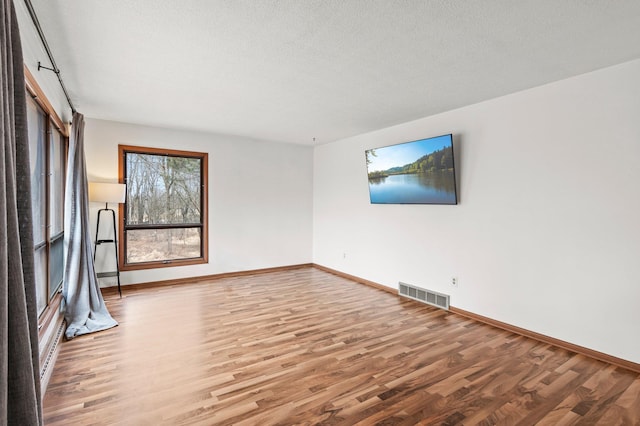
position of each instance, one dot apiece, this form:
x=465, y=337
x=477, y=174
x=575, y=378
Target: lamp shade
x=107, y=192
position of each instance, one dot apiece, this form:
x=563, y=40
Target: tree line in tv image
x=418, y=172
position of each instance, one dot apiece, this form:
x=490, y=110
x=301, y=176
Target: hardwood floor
x=308, y=347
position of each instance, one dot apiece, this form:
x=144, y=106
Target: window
x=164, y=219
x=47, y=155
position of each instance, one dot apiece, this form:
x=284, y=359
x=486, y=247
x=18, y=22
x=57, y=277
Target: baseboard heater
x=429, y=297
x=47, y=366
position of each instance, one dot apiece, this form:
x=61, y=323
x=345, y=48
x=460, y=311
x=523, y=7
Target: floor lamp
x=107, y=193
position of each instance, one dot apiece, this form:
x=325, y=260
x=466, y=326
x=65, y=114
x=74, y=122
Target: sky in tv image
x=418, y=172
x=405, y=153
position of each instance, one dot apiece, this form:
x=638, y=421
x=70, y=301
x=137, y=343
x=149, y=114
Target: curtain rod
x=55, y=68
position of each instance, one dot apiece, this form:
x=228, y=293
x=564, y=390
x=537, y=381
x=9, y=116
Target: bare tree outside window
x=164, y=216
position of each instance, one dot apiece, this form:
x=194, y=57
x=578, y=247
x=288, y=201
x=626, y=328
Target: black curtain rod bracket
x=40, y=66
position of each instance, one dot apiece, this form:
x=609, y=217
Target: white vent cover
x=429, y=297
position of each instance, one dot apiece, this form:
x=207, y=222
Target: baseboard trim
x=356, y=279
x=629, y=365
x=619, y=362
x=189, y=280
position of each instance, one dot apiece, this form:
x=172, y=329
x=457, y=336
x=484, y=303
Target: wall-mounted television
x=417, y=172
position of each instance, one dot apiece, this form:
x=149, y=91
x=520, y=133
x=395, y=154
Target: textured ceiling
x=295, y=70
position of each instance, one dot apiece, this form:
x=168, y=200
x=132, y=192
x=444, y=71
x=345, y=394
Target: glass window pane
x=36, y=127
x=40, y=269
x=163, y=189
x=56, y=265
x=56, y=182
x=153, y=245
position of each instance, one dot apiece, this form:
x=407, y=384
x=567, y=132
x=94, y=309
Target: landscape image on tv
x=418, y=172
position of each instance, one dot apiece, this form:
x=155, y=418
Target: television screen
x=418, y=172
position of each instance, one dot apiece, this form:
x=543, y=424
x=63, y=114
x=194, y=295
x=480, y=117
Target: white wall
x=260, y=196
x=546, y=235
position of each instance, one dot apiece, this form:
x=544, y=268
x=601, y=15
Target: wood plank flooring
x=307, y=347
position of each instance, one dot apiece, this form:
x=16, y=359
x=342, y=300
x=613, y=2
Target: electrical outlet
x=454, y=281
x=344, y=255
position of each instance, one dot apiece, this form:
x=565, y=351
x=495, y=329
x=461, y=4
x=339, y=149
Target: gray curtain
x=85, y=311
x=20, y=400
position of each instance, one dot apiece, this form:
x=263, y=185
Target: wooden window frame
x=123, y=228
x=53, y=123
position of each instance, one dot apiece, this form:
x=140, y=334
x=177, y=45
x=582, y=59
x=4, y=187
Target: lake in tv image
x=418, y=172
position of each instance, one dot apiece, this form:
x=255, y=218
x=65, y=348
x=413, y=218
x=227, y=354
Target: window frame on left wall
x=53, y=141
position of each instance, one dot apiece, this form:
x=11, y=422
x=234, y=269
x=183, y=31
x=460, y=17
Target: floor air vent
x=429, y=297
